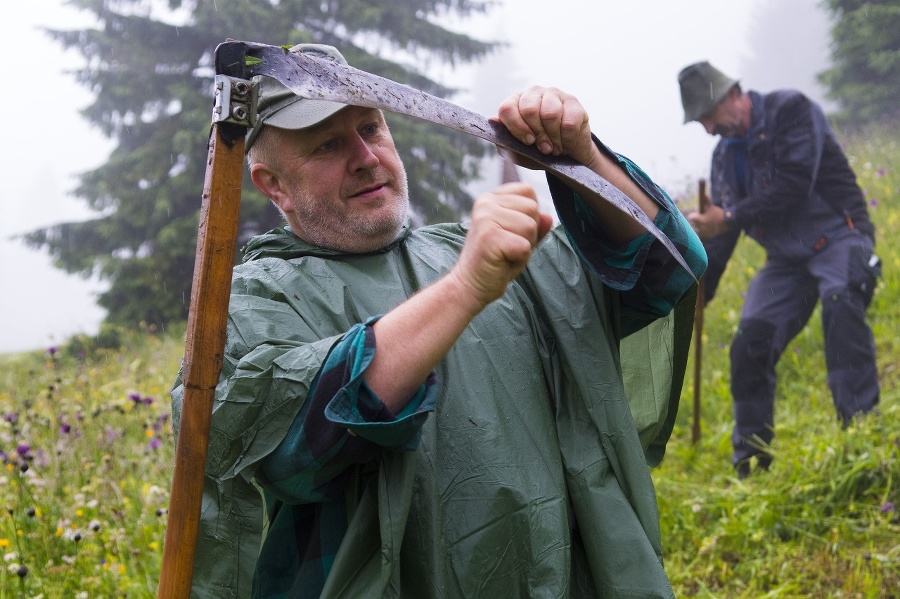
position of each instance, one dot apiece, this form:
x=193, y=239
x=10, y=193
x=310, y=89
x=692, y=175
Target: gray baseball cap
x=702, y=87
x=278, y=106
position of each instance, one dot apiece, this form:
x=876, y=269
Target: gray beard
x=360, y=235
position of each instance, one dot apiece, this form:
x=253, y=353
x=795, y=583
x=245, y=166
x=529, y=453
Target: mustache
x=368, y=179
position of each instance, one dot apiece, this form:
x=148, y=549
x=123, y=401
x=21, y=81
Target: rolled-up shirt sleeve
x=342, y=423
x=650, y=281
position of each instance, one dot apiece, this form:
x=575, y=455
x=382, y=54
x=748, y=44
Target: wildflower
x=24, y=452
x=135, y=397
x=888, y=508
x=154, y=493
x=11, y=556
x=22, y=572
x=873, y=202
x=160, y=422
x=4, y=543
x=11, y=418
x=52, y=350
x=154, y=443
x=880, y=172
x=65, y=428
x=148, y=401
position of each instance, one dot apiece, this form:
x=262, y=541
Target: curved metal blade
x=314, y=78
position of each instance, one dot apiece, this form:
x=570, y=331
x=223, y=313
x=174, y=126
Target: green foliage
x=86, y=451
x=85, y=513
x=824, y=521
x=865, y=74
x=152, y=83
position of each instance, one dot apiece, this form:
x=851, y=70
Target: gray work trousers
x=779, y=303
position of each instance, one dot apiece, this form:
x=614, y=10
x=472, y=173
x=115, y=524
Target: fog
x=620, y=59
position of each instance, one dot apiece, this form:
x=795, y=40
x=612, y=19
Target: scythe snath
x=235, y=110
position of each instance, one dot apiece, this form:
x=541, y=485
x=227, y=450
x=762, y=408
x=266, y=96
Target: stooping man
x=435, y=412
x=779, y=174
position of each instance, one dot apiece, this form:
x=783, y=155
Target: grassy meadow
x=824, y=522
x=86, y=449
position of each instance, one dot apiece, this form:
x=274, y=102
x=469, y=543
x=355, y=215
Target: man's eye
x=370, y=129
x=328, y=145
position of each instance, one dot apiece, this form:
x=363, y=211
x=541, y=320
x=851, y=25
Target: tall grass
x=86, y=448
x=86, y=455
x=823, y=521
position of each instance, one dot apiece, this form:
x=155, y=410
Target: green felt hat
x=702, y=87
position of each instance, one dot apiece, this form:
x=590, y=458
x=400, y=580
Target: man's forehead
x=339, y=117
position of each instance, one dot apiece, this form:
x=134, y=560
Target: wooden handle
x=702, y=199
x=702, y=202
x=204, y=351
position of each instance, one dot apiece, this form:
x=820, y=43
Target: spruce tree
x=865, y=54
x=149, y=68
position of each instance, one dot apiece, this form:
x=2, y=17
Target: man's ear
x=269, y=184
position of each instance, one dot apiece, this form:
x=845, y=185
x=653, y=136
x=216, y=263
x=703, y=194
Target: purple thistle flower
x=52, y=350
x=135, y=397
x=23, y=450
x=888, y=508
x=148, y=401
x=873, y=202
x=11, y=418
x=65, y=428
x=880, y=172
x=154, y=443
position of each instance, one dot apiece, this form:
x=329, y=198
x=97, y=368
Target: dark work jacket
x=798, y=191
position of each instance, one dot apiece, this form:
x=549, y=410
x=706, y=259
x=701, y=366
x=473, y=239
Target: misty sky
x=620, y=58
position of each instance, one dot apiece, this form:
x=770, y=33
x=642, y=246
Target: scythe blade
x=323, y=79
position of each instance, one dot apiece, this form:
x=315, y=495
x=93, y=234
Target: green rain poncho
x=528, y=479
